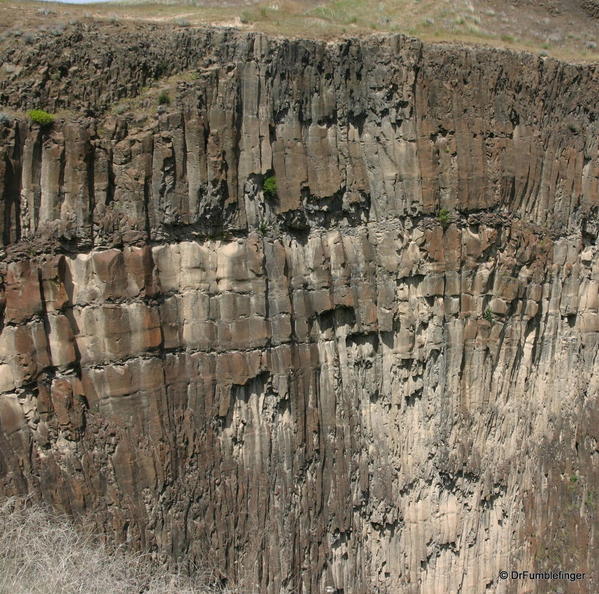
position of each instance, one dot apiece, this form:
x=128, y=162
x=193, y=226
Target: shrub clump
x=41, y=117
x=444, y=217
x=270, y=187
x=263, y=227
x=164, y=98
x=488, y=315
x=4, y=119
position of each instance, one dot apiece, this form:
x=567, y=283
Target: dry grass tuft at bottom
x=44, y=554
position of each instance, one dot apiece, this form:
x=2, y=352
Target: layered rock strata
x=382, y=379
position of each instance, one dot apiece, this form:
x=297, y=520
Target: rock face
x=591, y=7
x=384, y=379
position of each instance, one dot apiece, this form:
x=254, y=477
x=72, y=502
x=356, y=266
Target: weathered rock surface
x=331, y=387
x=591, y=7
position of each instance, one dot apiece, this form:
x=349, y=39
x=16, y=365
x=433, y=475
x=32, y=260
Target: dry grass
x=569, y=35
x=41, y=553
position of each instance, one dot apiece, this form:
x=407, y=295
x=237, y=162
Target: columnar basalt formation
x=384, y=379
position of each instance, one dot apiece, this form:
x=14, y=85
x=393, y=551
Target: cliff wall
x=340, y=385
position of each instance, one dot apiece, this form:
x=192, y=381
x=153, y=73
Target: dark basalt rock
x=329, y=388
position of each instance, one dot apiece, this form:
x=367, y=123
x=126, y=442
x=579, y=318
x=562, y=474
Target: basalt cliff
x=381, y=377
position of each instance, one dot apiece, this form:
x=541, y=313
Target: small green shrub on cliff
x=270, y=187
x=444, y=218
x=488, y=315
x=263, y=227
x=164, y=99
x=41, y=117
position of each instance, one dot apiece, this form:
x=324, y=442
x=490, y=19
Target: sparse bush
x=488, y=315
x=41, y=117
x=245, y=17
x=164, y=99
x=183, y=23
x=444, y=217
x=270, y=187
x=120, y=109
x=46, y=554
x=4, y=118
x=263, y=227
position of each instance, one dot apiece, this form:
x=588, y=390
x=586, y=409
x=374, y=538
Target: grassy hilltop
x=565, y=29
